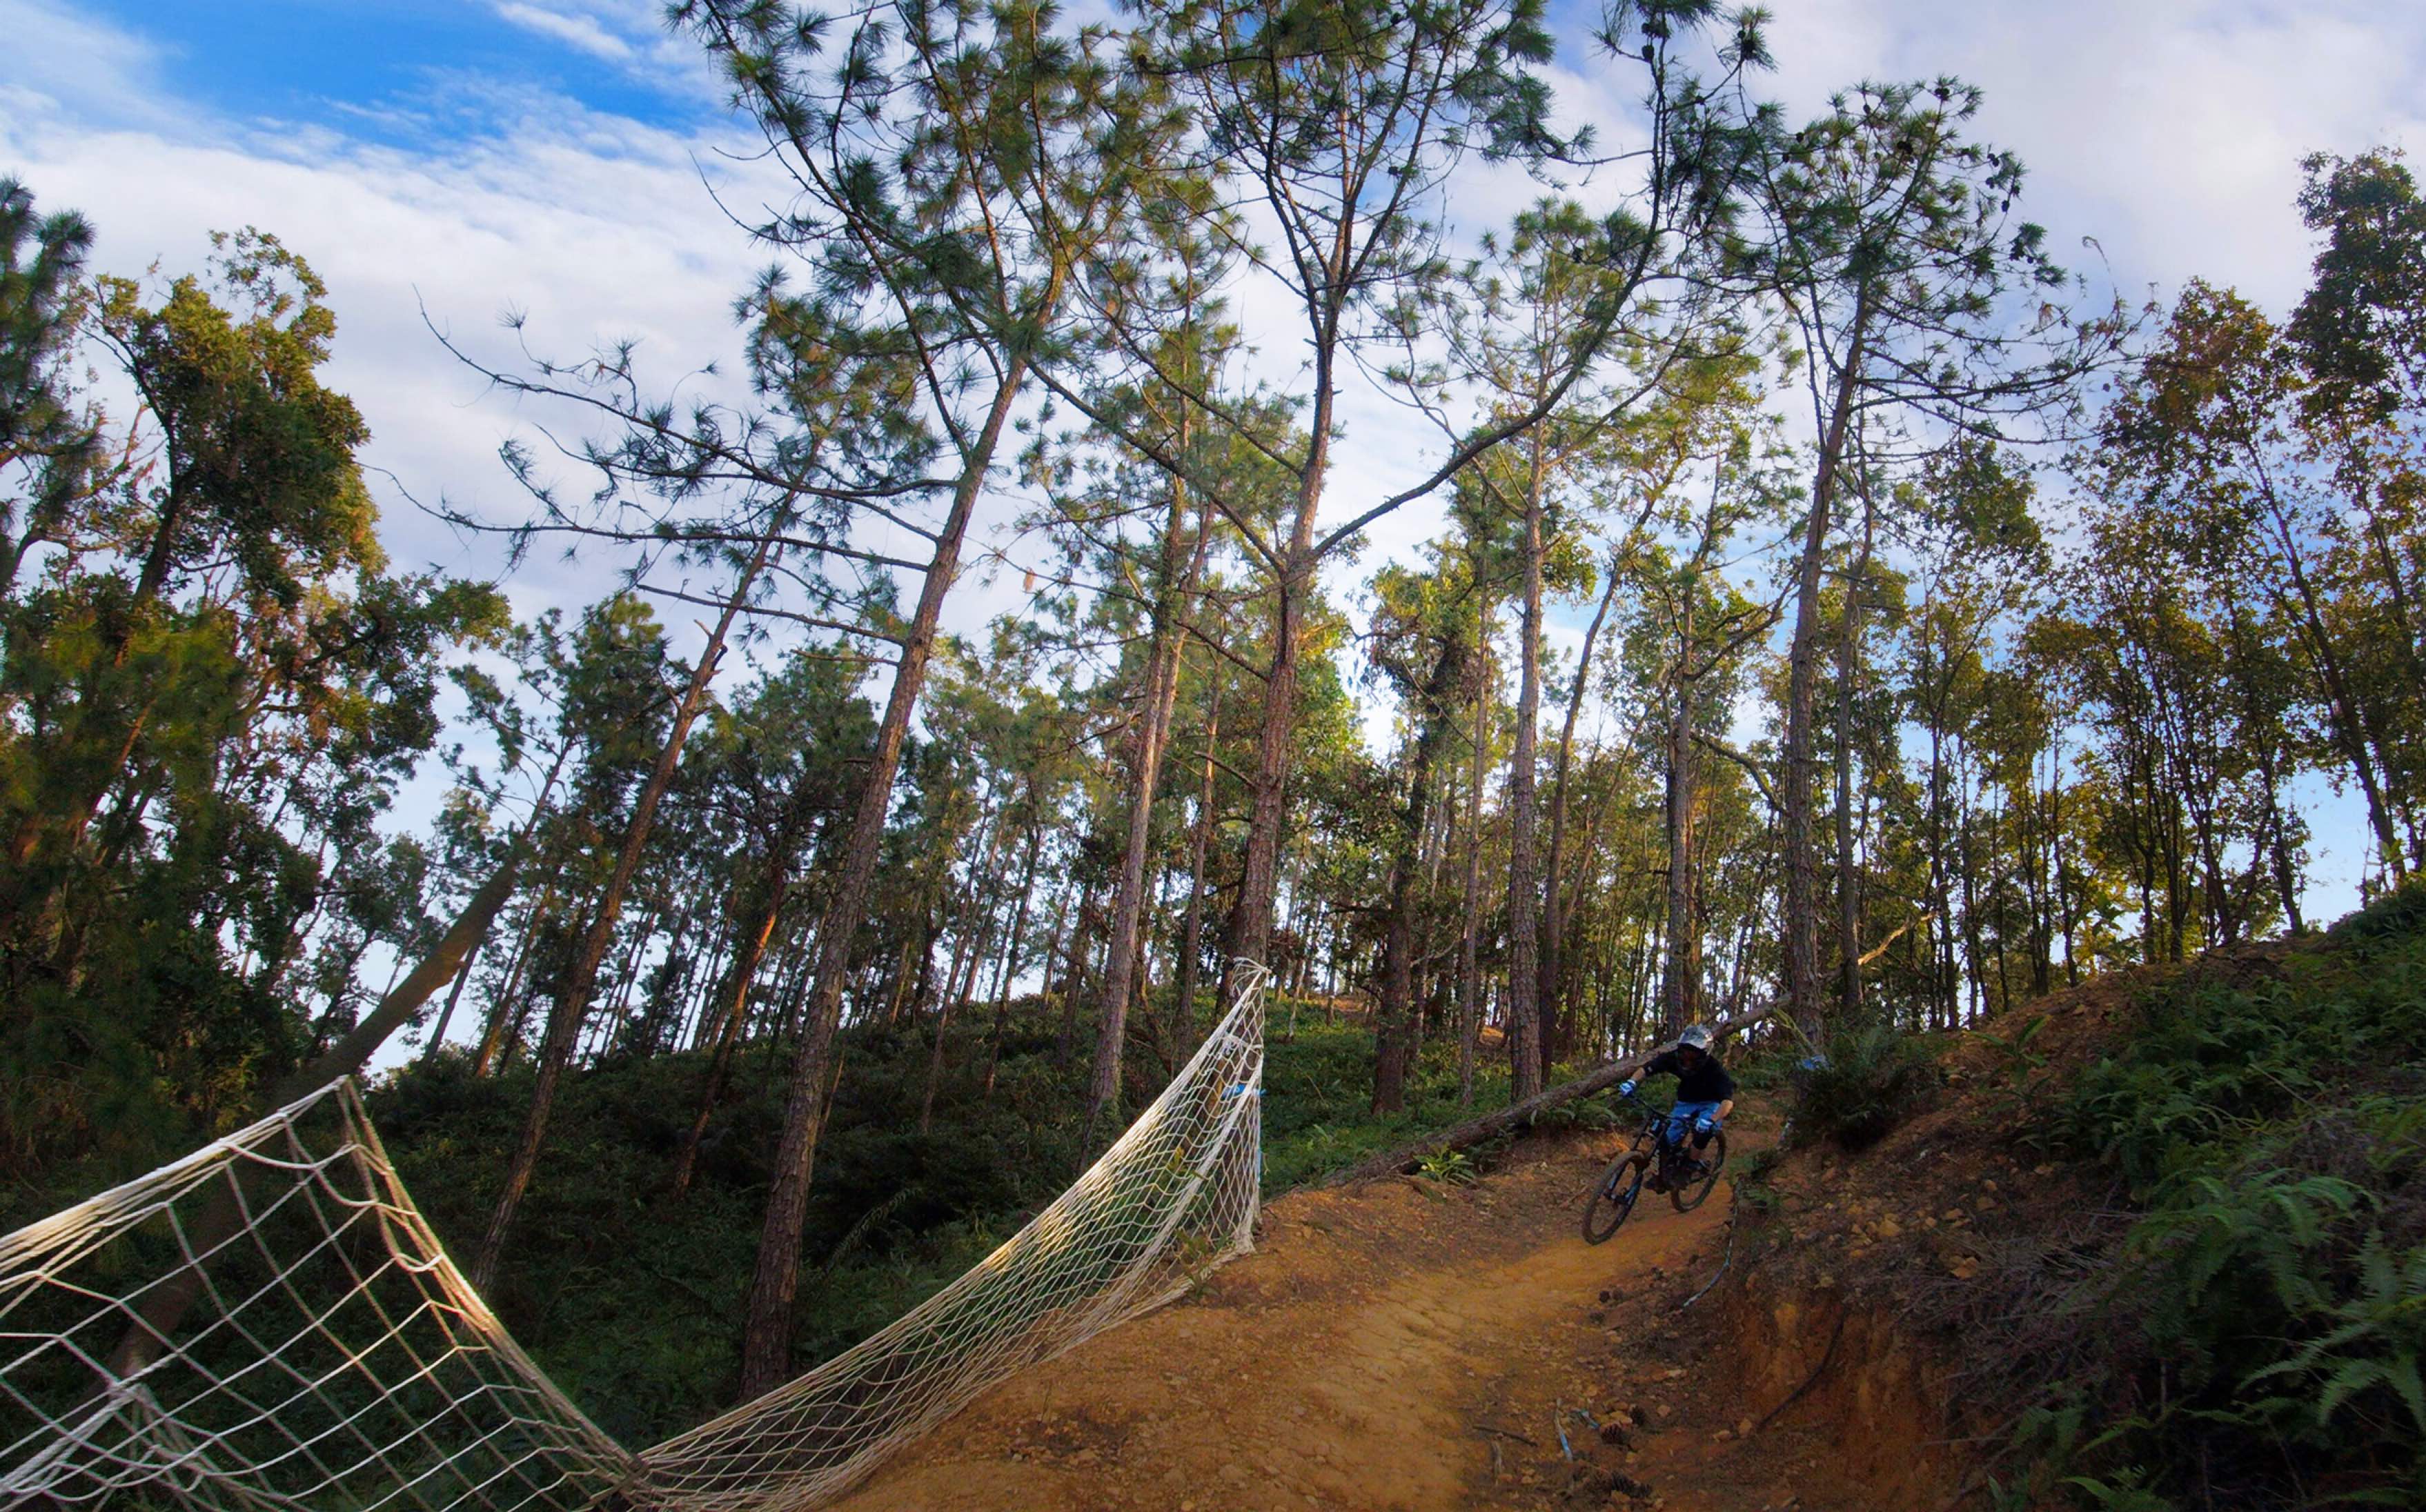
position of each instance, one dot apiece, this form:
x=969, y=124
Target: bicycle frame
x=1651, y=1136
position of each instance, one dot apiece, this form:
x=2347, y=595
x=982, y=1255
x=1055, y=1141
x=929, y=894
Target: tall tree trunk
x=1849, y=897
x=1191, y=934
x=1529, y=1035
x=1801, y=922
x=975, y=937
x=572, y=996
x=522, y=840
x=1679, y=988
x=2349, y=723
x=1469, y=978
x=1073, y=979
x=1173, y=583
x=1394, y=1040
x=1251, y=917
x=503, y=1017
x=741, y=975
x=1554, y=909
x=1064, y=910
x=1010, y=971
x=766, y=1337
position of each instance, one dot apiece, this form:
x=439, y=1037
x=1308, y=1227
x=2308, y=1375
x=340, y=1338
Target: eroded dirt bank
x=1392, y=1348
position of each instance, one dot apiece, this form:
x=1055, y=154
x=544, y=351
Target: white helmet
x=1696, y=1036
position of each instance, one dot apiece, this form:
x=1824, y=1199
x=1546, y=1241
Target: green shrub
x=1449, y=1167
x=2259, y=1330
x=1869, y=1081
x=2398, y=915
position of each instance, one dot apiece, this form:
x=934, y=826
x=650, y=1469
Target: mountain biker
x=1705, y=1094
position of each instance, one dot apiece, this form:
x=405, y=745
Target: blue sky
x=408, y=74
x=441, y=162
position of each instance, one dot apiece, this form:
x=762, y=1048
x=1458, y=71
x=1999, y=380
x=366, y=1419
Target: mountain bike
x=1677, y=1169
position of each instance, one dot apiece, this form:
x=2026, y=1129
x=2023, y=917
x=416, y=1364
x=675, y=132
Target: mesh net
x=1173, y=1198
x=269, y=1323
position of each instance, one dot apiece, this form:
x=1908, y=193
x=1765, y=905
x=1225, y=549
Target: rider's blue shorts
x=1682, y=1117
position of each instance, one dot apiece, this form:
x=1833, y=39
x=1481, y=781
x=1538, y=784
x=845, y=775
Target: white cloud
x=2170, y=130
x=591, y=240
x=584, y=32
x=58, y=56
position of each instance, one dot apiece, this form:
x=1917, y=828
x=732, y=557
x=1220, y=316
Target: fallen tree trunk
x=1519, y=1115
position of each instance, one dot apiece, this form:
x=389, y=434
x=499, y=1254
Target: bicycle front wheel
x=1688, y=1193
x=1612, y=1197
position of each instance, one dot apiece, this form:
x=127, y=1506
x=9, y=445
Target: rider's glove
x=1625, y=1089
x=1706, y=1125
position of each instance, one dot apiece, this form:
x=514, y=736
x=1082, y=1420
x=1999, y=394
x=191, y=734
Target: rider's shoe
x=1658, y=1182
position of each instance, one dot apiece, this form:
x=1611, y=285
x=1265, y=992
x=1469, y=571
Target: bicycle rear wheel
x=1613, y=1195
x=1688, y=1194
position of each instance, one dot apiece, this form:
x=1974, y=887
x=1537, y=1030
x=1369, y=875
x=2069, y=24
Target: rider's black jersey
x=1706, y=1083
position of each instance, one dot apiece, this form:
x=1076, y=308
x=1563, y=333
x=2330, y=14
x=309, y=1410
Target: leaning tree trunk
x=573, y=995
x=766, y=1337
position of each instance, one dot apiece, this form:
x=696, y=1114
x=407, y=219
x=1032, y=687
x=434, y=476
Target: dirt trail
x=1394, y=1347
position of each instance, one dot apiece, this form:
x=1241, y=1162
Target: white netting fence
x=269, y=1323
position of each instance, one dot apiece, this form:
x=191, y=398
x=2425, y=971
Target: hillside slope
x=2163, y=1238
